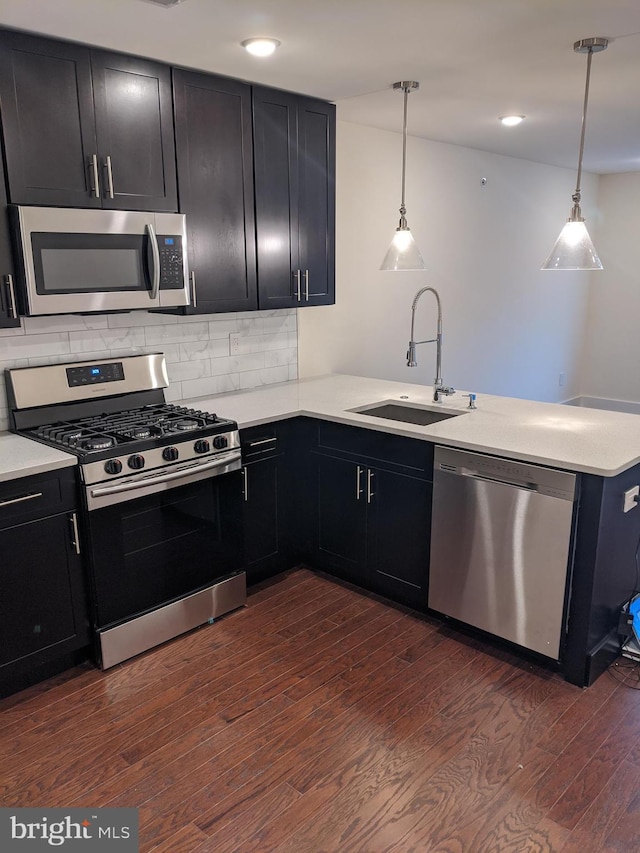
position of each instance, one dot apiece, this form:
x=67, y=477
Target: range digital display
x=94, y=374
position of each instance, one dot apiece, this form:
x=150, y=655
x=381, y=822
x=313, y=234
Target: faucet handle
x=472, y=401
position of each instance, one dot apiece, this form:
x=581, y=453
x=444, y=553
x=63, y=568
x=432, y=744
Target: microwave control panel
x=171, y=262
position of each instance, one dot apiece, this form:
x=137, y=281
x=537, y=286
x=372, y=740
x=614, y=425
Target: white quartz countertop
x=576, y=439
x=21, y=457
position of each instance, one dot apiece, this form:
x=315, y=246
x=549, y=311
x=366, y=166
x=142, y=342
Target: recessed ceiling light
x=511, y=121
x=260, y=46
x=166, y=3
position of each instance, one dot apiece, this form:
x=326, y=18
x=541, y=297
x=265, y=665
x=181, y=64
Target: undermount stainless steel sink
x=405, y=412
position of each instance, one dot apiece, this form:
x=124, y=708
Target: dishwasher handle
x=528, y=487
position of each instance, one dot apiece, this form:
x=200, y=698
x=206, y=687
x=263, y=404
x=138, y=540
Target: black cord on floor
x=626, y=671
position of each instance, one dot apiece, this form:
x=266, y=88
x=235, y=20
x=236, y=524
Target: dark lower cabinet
x=43, y=609
x=373, y=512
x=264, y=537
x=341, y=518
x=399, y=521
x=215, y=177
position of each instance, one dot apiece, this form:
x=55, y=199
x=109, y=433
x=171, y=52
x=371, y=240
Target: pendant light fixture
x=573, y=249
x=403, y=253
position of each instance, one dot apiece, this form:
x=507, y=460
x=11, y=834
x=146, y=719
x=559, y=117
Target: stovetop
x=129, y=430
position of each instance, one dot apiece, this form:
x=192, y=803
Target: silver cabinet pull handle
x=359, y=471
x=261, y=441
x=155, y=272
x=75, y=537
x=194, y=295
x=306, y=285
x=370, y=476
x=297, y=275
x=245, y=483
x=21, y=499
x=95, y=189
x=13, y=311
x=109, y=176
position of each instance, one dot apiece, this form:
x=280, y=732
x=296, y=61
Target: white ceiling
x=474, y=59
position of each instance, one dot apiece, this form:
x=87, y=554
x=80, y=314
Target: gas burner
x=140, y=432
x=185, y=424
x=98, y=442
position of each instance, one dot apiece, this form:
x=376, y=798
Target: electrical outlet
x=561, y=379
x=630, y=499
x=234, y=344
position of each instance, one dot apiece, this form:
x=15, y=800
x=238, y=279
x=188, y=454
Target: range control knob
x=202, y=446
x=170, y=454
x=220, y=441
x=113, y=466
x=136, y=461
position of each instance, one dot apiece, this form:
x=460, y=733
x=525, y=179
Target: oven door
x=149, y=554
x=84, y=261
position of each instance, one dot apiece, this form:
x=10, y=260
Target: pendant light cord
x=403, y=209
x=577, y=193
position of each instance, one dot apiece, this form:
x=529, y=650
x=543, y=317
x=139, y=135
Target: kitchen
x=480, y=298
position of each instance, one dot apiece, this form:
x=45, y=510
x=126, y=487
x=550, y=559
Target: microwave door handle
x=155, y=262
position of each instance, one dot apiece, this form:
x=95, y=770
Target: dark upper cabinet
x=215, y=179
x=85, y=128
x=48, y=121
x=294, y=139
x=8, y=304
x=134, y=128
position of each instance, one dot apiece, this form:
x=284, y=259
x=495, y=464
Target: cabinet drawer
x=36, y=497
x=258, y=442
x=378, y=447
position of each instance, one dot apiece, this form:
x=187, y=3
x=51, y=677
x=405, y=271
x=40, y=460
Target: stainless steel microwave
x=86, y=261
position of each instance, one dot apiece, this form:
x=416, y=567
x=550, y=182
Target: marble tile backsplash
x=197, y=349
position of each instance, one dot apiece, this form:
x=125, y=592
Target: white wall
x=612, y=342
x=508, y=327
x=199, y=361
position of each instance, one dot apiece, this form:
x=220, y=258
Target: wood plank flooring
x=320, y=718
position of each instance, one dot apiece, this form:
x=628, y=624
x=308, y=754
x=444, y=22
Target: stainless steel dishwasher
x=500, y=541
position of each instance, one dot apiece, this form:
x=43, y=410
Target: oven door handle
x=152, y=480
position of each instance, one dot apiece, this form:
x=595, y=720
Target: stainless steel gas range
x=161, y=495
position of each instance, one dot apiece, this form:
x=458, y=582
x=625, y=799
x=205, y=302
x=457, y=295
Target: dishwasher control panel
x=546, y=481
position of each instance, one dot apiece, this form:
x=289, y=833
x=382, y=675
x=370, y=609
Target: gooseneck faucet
x=439, y=387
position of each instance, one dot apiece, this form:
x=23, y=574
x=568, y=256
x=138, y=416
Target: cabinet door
x=47, y=121
x=399, y=524
x=134, y=127
x=215, y=176
x=260, y=516
x=316, y=201
x=42, y=605
x=276, y=183
x=8, y=304
x=342, y=517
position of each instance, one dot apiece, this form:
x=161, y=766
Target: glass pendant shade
x=573, y=250
x=403, y=253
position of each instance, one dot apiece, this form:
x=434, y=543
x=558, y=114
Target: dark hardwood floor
x=320, y=718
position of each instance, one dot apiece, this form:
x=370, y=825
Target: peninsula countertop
x=572, y=438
